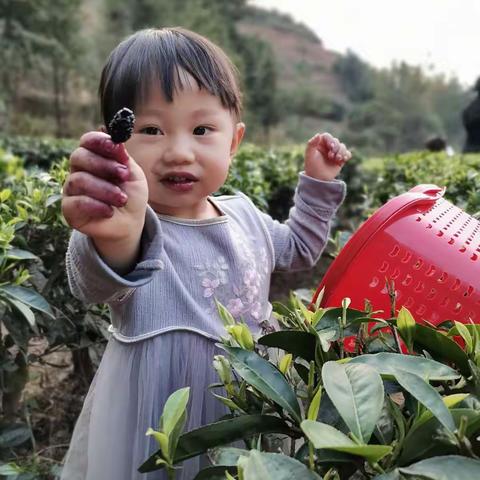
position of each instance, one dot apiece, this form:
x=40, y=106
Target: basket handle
x=424, y=194
x=428, y=188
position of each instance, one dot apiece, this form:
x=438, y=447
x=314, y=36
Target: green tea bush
x=38, y=151
x=332, y=408
x=34, y=297
x=390, y=176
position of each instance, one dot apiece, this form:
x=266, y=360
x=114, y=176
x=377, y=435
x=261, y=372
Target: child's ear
x=237, y=138
x=102, y=128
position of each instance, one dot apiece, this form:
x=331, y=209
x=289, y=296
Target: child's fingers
x=342, y=155
x=101, y=143
x=80, y=210
x=85, y=184
x=330, y=142
x=320, y=142
x=86, y=160
x=332, y=146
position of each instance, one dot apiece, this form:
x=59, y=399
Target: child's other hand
x=325, y=157
x=105, y=194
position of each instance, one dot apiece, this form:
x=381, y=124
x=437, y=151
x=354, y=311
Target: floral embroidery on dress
x=242, y=290
x=210, y=286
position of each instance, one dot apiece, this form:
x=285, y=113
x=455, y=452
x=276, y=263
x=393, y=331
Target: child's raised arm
x=105, y=197
x=298, y=243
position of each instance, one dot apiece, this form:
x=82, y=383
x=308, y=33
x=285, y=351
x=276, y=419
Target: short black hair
x=436, y=144
x=158, y=55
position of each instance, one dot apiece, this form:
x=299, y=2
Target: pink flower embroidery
x=255, y=310
x=251, y=294
x=235, y=306
x=250, y=277
x=210, y=286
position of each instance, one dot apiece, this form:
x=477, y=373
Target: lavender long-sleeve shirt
x=186, y=264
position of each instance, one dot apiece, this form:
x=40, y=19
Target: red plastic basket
x=430, y=249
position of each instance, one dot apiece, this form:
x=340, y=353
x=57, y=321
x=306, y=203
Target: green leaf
x=454, y=331
x=24, y=310
x=285, y=363
x=162, y=440
x=463, y=330
x=302, y=371
x=325, y=337
x=9, y=469
x=300, y=344
x=19, y=254
x=329, y=320
x=53, y=199
x=5, y=194
x=273, y=466
x=226, y=455
x=445, y=468
x=13, y=435
x=393, y=475
x=326, y=436
x=324, y=456
x=406, y=326
x=175, y=434
x=442, y=347
x=426, y=395
x=215, y=473
x=262, y=375
x=423, y=439
x=387, y=364
x=198, y=441
x=358, y=395
x=227, y=402
x=224, y=314
x=385, y=427
x=29, y=297
x=314, y=406
x=173, y=410
x=450, y=401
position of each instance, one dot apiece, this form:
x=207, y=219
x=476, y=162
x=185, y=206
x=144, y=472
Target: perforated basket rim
x=421, y=197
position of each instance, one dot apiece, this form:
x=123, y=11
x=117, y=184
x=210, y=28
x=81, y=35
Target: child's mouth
x=175, y=179
x=178, y=183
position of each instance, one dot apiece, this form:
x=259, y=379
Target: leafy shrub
x=343, y=409
x=34, y=296
x=38, y=151
x=393, y=175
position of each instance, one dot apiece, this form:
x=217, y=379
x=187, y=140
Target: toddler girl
x=152, y=242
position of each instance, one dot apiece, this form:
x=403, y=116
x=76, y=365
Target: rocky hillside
x=300, y=54
x=303, y=63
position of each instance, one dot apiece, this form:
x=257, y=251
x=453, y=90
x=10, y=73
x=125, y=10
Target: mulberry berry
x=121, y=126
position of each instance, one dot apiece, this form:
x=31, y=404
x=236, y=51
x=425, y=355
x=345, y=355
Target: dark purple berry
x=121, y=126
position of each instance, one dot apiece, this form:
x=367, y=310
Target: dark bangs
x=152, y=55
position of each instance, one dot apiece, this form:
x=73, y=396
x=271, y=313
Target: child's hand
x=325, y=157
x=105, y=194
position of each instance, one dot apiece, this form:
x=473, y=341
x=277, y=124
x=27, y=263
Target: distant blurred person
x=436, y=144
x=471, y=122
x=439, y=144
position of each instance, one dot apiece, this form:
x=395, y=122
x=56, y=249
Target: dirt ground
x=51, y=403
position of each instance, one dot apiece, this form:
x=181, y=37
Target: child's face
x=185, y=148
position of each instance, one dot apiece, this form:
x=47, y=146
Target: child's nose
x=178, y=152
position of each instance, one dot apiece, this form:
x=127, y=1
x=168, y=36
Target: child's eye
x=151, y=131
x=201, y=130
